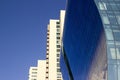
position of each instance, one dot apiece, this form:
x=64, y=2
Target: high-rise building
x=38, y=72
x=54, y=33
x=91, y=40
x=49, y=69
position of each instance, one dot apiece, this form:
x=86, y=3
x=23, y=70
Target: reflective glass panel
x=112, y=72
x=112, y=51
x=105, y=19
x=109, y=34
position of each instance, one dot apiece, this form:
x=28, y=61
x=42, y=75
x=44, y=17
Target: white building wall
x=52, y=57
x=41, y=70
x=62, y=16
x=52, y=51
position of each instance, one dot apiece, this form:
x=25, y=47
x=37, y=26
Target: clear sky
x=23, y=26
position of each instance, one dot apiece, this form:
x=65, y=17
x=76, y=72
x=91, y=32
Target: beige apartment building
x=54, y=35
x=49, y=69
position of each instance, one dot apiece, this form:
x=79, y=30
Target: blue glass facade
x=91, y=40
x=110, y=14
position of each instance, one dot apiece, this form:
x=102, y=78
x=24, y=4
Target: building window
x=112, y=69
x=105, y=19
x=57, y=22
x=58, y=33
x=119, y=72
x=102, y=6
x=58, y=76
x=113, y=5
x=58, y=46
x=58, y=30
x=46, y=62
x=117, y=35
x=47, y=49
x=58, y=60
x=47, y=54
x=118, y=19
x=58, y=42
x=58, y=70
x=34, y=72
x=58, y=65
x=109, y=34
x=34, y=76
x=118, y=53
x=58, y=37
x=58, y=26
x=58, y=50
x=112, y=52
x=34, y=69
x=112, y=19
x=114, y=27
x=58, y=55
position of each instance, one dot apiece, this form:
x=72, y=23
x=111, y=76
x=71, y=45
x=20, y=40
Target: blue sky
x=23, y=26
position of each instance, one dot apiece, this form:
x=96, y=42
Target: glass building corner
x=91, y=40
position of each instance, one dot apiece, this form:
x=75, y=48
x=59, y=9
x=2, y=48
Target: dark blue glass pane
x=82, y=32
x=64, y=70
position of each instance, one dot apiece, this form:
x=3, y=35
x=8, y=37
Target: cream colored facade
x=41, y=69
x=62, y=16
x=49, y=69
x=54, y=35
x=38, y=73
x=33, y=73
x=51, y=61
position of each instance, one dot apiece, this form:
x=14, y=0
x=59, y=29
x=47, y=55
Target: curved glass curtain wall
x=65, y=73
x=84, y=44
x=110, y=14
